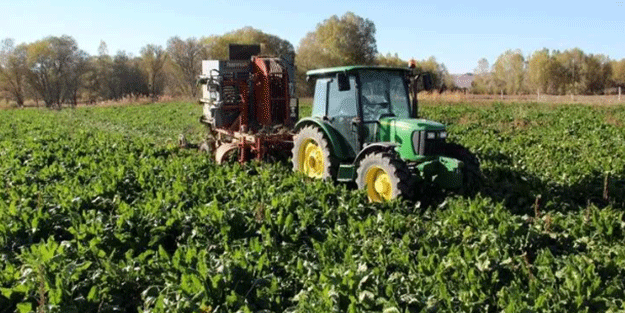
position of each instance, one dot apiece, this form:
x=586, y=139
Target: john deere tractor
x=365, y=128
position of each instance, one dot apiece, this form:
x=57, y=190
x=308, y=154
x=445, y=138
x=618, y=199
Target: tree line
x=550, y=72
x=55, y=71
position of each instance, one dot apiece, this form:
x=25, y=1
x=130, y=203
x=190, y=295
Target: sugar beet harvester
x=363, y=128
x=249, y=104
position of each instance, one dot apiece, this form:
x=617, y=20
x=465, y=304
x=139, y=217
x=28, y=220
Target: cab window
x=321, y=92
x=343, y=103
x=383, y=93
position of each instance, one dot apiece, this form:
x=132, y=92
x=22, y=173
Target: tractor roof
x=334, y=70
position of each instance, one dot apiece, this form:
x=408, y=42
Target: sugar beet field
x=102, y=212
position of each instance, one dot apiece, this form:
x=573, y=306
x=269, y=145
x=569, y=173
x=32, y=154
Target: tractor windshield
x=383, y=93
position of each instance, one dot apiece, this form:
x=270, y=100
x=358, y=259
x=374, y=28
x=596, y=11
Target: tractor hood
x=416, y=138
x=411, y=124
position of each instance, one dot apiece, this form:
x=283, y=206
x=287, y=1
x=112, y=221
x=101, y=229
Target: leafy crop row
x=102, y=212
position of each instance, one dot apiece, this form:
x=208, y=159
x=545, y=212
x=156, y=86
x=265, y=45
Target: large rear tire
x=472, y=177
x=312, y=155
x=384, y=177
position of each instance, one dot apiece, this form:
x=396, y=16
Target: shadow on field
x=520, y=190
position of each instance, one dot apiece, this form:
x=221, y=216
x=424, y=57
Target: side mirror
x=427, y=81
x=343, y=81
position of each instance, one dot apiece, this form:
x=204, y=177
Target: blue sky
x=457, y=33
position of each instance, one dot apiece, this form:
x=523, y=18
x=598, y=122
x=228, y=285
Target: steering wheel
x=369, y=110
x=376, y=110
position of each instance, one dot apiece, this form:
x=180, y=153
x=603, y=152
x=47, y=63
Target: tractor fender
x=340, y=148
x=375, y=147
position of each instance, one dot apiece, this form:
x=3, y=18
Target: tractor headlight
x=431, y=135
x=442, y=135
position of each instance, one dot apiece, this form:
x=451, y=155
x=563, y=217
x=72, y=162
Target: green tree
x=348, y=40
x=13, y=70
x=483, y=82
x=544, y=72
x=389, y=59
x=571, y=62
x=217, y=46
x=597, y=71
x=509, y=72
x=571, y=71
x=438, y=72
x=618, y=72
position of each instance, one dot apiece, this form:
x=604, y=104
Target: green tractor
x=365, y=129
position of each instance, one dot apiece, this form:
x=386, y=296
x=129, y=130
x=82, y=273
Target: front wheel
x=311, y=154
x=384, y=177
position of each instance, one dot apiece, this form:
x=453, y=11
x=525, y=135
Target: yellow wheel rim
x=311, y=160
x=379, y=186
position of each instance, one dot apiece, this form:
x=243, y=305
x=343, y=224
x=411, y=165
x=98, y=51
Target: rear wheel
x=472, y=176
x=384, y=177
x=311, y=154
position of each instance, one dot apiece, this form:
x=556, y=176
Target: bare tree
x=103, y=67
x=153, y=59
x=186, y=56
x=13, y=70
x=483, y=67
x=77, y=66
x=55, y=67
x=127, y=76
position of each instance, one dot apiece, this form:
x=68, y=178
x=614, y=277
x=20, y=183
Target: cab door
x=343, y=111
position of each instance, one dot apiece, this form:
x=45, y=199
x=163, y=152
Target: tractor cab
x=364, y=128
x=355, y=99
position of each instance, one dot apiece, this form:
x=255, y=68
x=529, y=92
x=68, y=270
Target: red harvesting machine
x=249, y=104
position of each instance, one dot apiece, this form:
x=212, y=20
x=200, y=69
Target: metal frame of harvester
x=249, y=104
